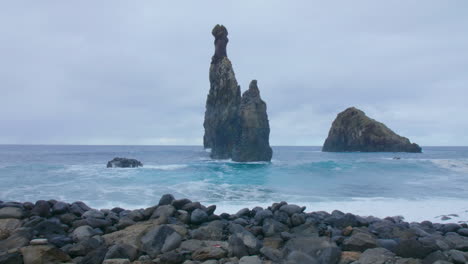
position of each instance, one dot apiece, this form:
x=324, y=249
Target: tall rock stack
x=222, y=105
x=233, y=129
x=352, y=130
x=253, y=142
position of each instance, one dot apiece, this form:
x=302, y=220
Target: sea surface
x=416, y=186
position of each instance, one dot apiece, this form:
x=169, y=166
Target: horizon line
x=142, y=145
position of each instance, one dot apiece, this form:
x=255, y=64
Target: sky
x=136, y=72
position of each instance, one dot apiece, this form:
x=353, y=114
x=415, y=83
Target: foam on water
x=417, y=186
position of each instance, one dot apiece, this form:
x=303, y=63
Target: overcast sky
x=136, y=72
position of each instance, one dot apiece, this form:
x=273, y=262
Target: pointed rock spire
x=222, y=104
x=253, y=141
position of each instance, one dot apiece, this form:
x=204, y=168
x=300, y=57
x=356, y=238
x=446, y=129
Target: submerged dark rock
x=352, y=130
x=253, y=142
x=222, y=105
x=124, y=163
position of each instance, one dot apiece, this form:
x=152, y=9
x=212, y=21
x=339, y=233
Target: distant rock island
x=352, y=130
x=233, y=129
x=124, y=163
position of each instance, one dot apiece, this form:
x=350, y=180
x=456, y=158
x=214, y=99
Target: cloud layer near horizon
x=120, y=72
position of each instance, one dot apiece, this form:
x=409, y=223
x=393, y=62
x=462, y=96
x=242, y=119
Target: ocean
x=416, y=186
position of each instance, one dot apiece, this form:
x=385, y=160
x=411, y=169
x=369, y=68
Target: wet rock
x=359, y=242
x=352, y=130
x=78, y=208
x=122, y=251
x=412, y=248
x=319, y=248
x=124, y=163
x=237, y=247
x=60, y=208
x=298, y=257
x=349, y=256
x=250, y=260
x=463, y=232
x=178, y=204
x=116, y=261
x=434, y=257
x=389, y=244
x=272, y=227
x=19, y=238
x=159, y=240
x=291, y=209
x=67, y=218
x=273, y=242
x=272, y=254
x=82, y=232
x=41, y=208
x=222, y=105
x=343, y=221
x=297, y=219
x=48, y=229
x=60, y=240
x=250, y=241
x=124, y=222
x=252, y=144
x=11, y=212
x=456, y=241
x=457, y=256
x=207, y=253
x=211, y=209
x=261, y=215
x=171, y=258
x=212, y=231
x=43, y=254
x=166, y=199
x=11, y=258
x=8, y=226
x=83, y=247
x=450, y=228
x=198, y=216
x=376, y=256
x=164, y=211
x=95, y=256
x=189, y=207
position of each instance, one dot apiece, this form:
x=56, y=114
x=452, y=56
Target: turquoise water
x=417, y=186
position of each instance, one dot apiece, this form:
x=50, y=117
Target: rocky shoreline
x=182, y=231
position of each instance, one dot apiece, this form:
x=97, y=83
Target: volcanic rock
x=222, y=105
x=124, y=163
x=352, y=130
x=253, y=141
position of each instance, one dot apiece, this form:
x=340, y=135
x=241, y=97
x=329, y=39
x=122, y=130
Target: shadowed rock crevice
x=352, y=130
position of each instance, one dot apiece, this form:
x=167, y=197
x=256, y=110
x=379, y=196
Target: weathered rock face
x=352, y=130
x=222, y=105
x=124, y=163
x=253, y=141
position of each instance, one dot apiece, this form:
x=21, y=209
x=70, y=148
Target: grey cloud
x=119, y=72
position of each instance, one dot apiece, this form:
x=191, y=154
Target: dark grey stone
x=124, y=163
x=166, y=199
x=198, y=216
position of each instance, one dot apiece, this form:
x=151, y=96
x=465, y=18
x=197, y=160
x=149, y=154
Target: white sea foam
x=411, y=210
x=457, y=165
x=167, y=167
